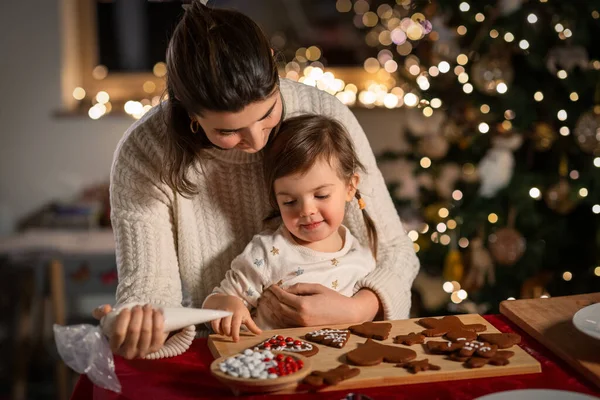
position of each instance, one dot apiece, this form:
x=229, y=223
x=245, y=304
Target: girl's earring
x=194, y=126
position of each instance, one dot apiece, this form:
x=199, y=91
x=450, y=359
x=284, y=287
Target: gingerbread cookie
x=280, y=343
x=418, y=366
x=450, y=323
x=436, y=347
x=502, y=340
x=500, y=358
x=479, y=349
x=461, y=334
x=331, y=377
x=373, y=353
x=372, y=330
x=410, y=339
x=329, y=337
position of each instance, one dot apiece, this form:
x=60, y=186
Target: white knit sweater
x=173, y=251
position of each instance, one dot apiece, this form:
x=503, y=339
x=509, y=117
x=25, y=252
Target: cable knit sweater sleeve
x=142, y=220
x=397, y=262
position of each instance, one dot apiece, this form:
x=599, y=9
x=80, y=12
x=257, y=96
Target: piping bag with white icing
x=85, y=348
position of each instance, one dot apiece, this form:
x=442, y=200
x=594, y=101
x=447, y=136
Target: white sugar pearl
x=272, y=376
x=260, y=367
x=246, y=375
x=230, y=360
x=234, y=374
x=257, y=355
x=263, y=375
x=244, y=370
x=248, y=352
x=255, y=374
x=223, y=367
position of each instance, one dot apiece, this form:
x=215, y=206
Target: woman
x=187, y=189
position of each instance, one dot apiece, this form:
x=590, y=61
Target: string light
x=509, y=37
x=597, y=271
x=574, y=174
x=524, y=44
x=484, y=109
x=160, y=69
x=443, y=212
x=343, y=5
x=445, y=240
x=413, y=235
x=410, y=99
x=583, y=192
x=596, y=208
x=462, y=59
x=467, y=88
x=455, y=299
x=425, y=162
x=574, y=96
x=597, y=162
x=461, y=30
x=493, y=218
x=564, y=131
x=416, y=247
x=444, y=67
x=559, y=28
x=463, y=243
x=449, y=287
x=462, y=294
x=479, y=17
x=102, y=97
x=79, y=93
x=441, y=227
x=538, y=96
x=561, y=115
x=451, y=224
x=494, y=34
x=436, y=103
x=534, y=193
x=567, y=276
x=562, y=74
x=457, y=195
x=464, y=6
x=434, y=71
x=501, y=88
x=511, y=298
x=483, y=127
x=532, y=18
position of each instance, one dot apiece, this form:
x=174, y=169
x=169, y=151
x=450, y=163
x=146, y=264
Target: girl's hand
x=137, y=332
x=230, y=326
x=309, y=304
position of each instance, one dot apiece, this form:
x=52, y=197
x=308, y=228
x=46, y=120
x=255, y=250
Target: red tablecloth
x=188, y=377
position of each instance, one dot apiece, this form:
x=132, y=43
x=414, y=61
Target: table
x=188, y=377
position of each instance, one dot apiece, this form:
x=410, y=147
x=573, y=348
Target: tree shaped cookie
x=331, y=377
x=418, y=366
x=373, y=353
x=502, y=340
x=410, y=339
x=372, y=330
x=329, y=337
x=451, y=323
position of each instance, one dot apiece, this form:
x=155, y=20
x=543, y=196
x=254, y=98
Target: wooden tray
x=549, y=321
x=385, y=374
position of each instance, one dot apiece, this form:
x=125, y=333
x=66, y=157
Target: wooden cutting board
x=386, y=374
x=549, y=321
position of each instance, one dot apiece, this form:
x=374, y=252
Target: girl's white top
x=172, y=250
x=273, y=257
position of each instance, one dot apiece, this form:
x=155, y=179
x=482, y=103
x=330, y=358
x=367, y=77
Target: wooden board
x=386, y=374
x=549, y=321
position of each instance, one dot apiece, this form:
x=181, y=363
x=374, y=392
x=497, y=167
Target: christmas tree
x=499, y=181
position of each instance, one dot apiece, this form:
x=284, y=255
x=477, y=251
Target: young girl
x=311, y=170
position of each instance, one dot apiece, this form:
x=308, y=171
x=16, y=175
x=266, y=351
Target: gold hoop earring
x=194, y=126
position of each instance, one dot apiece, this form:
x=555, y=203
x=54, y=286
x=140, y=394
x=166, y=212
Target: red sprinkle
x=297, y=343
x=289, y=339
x=300, y=363
x=279, y=357
x=272, y=370
x=273, y=341
x=279, y=337
x=289, y=359
x=266, y=359
x=266, y=346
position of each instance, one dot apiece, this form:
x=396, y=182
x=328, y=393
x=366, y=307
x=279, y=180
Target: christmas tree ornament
x=507, y=246
x=446, y=47
x=543, y=136
x=535, y=287
x=434, y=146
x=481, y=266
x=558, y=197
x=496, y=167
x=587, y=131
x=490, y=71
x=454, y=268
x=567, y=58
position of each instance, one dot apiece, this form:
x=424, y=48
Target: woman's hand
x=230, y=326
x=137, y=332
x=310, y=304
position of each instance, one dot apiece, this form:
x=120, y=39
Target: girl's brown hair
x=302, y=141
x=217, y=60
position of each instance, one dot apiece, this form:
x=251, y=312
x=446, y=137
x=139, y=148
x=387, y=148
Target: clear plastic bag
x=86, y=350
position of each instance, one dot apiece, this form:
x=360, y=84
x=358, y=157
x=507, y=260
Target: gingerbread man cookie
x=332, y=376
x=329, y=337
x=436, y=347
x=450, y=323
x=372, y=330
x=373, y=353
x=418, y=366
x=289, y=344
x=410, y=339
x=500, y=358
x=479, y=349
x=502, y=340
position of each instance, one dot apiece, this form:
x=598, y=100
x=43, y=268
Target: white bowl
x=587, y=320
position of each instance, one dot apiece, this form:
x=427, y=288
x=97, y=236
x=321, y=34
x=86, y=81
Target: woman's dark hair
x=217, y=60
x=302, y=141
